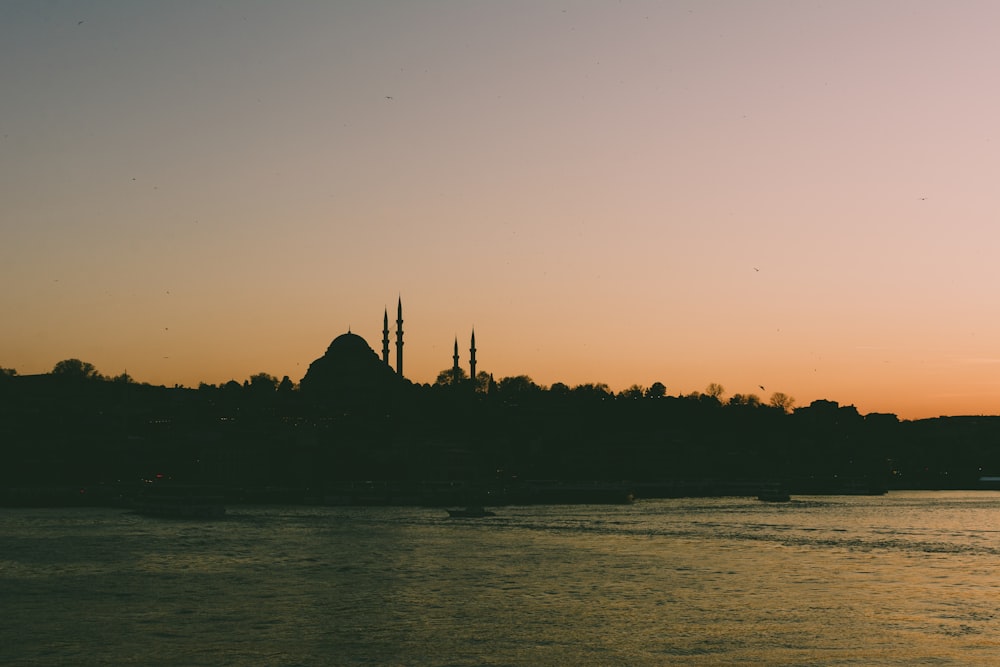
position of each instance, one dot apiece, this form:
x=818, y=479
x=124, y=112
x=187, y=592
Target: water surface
x=908, y=578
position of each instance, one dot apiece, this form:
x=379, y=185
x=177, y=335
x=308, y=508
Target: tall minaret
x=385, y=337
x=472, y=357
x=399, y=337
x=455, y=369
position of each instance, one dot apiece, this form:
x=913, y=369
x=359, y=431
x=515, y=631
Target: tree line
x=74, y=426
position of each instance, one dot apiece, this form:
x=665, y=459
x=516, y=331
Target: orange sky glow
x=787, y=195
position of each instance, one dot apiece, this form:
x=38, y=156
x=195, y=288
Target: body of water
x=902, y=579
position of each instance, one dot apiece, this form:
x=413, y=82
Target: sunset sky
x=800, y=196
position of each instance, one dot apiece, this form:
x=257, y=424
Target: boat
x=471, y=512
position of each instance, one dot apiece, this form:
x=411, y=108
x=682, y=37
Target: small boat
x=472, y=512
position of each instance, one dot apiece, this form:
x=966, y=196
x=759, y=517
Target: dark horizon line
x=11, y=373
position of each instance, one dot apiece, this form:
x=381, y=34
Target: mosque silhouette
x=350, y=365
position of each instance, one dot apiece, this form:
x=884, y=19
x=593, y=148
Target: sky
x=772, y=196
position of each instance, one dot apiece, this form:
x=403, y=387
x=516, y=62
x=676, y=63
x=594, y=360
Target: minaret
x=399, y=337
x=472, y=357
x=385, y=337
x=455, y=369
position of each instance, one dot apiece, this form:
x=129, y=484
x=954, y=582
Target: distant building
x=472, y=357
x=349, y=369
x=456, y=369
x=399, y=337
x=350, y=362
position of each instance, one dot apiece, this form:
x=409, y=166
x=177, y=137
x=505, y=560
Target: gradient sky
x=795, y=195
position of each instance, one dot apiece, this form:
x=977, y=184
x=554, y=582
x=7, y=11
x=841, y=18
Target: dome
x=349, y=344
x=349, y=367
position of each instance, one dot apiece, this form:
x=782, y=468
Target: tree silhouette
x=748, y=400
x=451, y=376
x=782, y=401
x=656, y=390
x=597, y=390
x=517, y=384
x=559, y=389
x=262, y=383
x=75, y=369
x=635, y=391
x=482, y=382
x=715, y=390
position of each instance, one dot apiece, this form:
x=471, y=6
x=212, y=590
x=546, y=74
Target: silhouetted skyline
x=356, y=432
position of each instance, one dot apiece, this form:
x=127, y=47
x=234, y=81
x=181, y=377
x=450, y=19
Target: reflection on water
x=897, y=579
